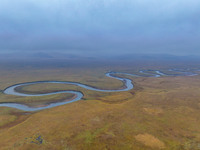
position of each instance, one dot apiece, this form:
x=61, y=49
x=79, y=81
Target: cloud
x=129, y=26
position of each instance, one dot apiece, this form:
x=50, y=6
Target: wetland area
x=138, y=105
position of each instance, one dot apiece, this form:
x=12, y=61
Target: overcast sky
x=101, y=26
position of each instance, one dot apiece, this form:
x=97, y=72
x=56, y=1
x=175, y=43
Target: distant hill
x=70, y=56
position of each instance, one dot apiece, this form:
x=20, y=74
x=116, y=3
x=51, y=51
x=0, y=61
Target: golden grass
x=166, y=108
x=5, y=119
x=153, y=111
x=150, y=140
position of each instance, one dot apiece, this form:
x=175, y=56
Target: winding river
x=128, y=85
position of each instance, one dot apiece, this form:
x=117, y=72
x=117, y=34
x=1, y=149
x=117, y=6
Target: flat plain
x=159, y=113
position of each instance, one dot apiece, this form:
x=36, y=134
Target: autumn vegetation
x=159, y=113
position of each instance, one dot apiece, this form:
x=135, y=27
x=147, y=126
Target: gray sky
x=100, y=26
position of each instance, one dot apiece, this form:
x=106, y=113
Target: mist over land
x=56, y=55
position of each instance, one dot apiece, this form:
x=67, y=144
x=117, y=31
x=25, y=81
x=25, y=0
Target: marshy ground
x=159, y=113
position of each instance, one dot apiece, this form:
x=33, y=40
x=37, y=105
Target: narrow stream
x=128, y=85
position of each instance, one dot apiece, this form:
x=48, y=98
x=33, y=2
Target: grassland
x=159, y=113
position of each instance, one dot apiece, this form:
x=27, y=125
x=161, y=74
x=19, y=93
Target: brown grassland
x=159, y=113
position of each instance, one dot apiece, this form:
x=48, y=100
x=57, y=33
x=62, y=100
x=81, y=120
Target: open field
x=159, y=113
